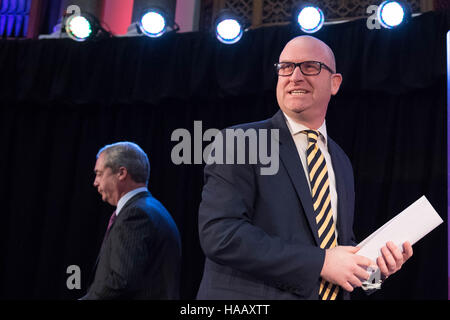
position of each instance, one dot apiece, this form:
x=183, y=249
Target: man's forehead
x=99, y=163
x=97, y=168
x=306, y=48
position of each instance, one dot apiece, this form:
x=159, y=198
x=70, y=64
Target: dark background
x=60, y=101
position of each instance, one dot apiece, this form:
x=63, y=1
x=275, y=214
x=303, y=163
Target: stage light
x=84, y=27
x=79, y=28
x=229, y=31
x=392, y=13
x=228, y=28
x=153, y=23
x=310, y=18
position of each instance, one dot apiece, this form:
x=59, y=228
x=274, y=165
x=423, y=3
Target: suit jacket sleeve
x=228, y=236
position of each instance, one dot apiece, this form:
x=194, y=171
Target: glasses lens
x=310, y=67
x=285, y=68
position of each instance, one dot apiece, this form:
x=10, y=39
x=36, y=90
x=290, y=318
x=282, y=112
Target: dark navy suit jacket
x=141, y=254
x=258, y=232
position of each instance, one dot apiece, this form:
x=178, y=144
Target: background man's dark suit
x=140, y=256
x=259, y=233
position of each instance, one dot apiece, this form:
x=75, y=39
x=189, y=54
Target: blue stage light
x=229, y=31
x=153, y=23
x=310, y=18
x=391, y=14
x=228, y=27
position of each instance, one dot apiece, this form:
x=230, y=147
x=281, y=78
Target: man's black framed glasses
x=308, y=68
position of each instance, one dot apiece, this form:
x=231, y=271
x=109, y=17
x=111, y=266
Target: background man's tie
x=320, y=192
x=111, y=221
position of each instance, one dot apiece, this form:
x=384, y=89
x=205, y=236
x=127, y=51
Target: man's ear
x=336, y=80
x=122, y=173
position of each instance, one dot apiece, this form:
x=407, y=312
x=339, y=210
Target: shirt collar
x=123, y=201
x=295, y=128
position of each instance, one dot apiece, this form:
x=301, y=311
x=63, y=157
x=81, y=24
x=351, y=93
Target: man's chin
x=294, y=112
x=109, y=201
x=298, y=107
x=104, y=198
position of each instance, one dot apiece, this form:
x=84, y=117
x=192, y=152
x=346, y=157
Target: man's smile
x=298, y=92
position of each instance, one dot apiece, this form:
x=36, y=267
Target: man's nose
x=297, y=75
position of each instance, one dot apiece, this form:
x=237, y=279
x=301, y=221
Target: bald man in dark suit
x=288, y=235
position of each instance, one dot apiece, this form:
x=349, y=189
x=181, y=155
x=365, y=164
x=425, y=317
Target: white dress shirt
x=123, y=201
x=301, y=142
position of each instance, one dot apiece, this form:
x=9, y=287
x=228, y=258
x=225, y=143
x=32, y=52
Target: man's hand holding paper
x=391, y=244
x=392, y=258
x=345, y=267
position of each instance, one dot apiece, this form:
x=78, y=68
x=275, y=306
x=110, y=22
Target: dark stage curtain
x=61, y=101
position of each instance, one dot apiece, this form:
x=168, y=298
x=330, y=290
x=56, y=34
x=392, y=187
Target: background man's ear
x=123, y=172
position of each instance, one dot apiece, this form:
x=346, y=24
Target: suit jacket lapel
x=291, y=161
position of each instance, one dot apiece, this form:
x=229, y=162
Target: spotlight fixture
x=78, y=28
x=154, y=23
x=309, y=17
x=392, y=13
x=83, y=27
x=228, y=27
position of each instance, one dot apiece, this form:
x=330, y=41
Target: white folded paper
x=412, y=224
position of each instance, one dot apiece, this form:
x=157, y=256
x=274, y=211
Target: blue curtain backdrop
x=14, y=16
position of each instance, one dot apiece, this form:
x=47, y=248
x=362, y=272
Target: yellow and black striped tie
x=320, y=192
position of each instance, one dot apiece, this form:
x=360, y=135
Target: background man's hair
x=129, y=155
